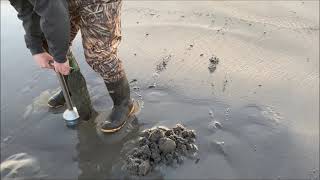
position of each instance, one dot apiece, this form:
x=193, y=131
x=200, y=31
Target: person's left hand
x=62, y=68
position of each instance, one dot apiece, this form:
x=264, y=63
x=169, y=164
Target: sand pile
x=160, y=146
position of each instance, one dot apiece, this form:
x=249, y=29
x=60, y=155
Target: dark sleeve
x=55, y=25
x=30, y=21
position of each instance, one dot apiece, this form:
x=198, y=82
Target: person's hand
x=62, y=68
x=43, y=60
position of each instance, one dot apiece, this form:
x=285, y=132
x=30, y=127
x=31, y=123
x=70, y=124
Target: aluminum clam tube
x=65, y=91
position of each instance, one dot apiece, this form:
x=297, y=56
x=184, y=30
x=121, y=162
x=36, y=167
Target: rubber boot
x=57, y=100
x=80, y=95
x=123, y=106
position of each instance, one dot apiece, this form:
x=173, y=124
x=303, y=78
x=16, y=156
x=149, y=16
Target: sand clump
x=160, y=146
x=213, y=63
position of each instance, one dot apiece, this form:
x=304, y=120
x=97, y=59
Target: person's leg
x=101, y=36
x=57, y=100
x=75, y=80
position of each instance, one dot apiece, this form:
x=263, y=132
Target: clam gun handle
x=65, y=89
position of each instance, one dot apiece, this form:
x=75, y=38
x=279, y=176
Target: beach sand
x=263, y=90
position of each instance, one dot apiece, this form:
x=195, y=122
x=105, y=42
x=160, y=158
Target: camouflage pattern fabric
x=100, y=26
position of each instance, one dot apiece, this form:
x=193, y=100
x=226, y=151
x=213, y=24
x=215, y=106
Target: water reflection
x=98, y=152
x=20, y=165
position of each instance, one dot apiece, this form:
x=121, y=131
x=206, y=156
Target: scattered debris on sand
x=225, y=83
x=214, y=125
x=190, y=47
x=160, y=146
x=155, y=76
x=136, y=88
x=7, y=138
x=213, y=62
x=152, y=85
x=133, y=81
x=163, y=63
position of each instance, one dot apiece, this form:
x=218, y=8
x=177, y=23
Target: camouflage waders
x=100, y=26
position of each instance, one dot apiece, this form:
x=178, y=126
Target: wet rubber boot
x=123, y=106
x=57, y=100
x=79, y=95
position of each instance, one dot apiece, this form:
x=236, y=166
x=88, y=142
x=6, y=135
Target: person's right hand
x=43, y=60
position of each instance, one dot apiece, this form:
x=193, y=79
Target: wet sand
x=256, y=113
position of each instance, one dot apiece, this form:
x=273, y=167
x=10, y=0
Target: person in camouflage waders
x=57, y=23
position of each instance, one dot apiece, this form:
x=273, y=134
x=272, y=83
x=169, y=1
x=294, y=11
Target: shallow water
x=256, y=114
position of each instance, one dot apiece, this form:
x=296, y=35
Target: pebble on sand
x=167, y=145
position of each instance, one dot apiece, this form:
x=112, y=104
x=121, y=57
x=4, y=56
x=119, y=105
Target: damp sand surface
x=255, y=110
